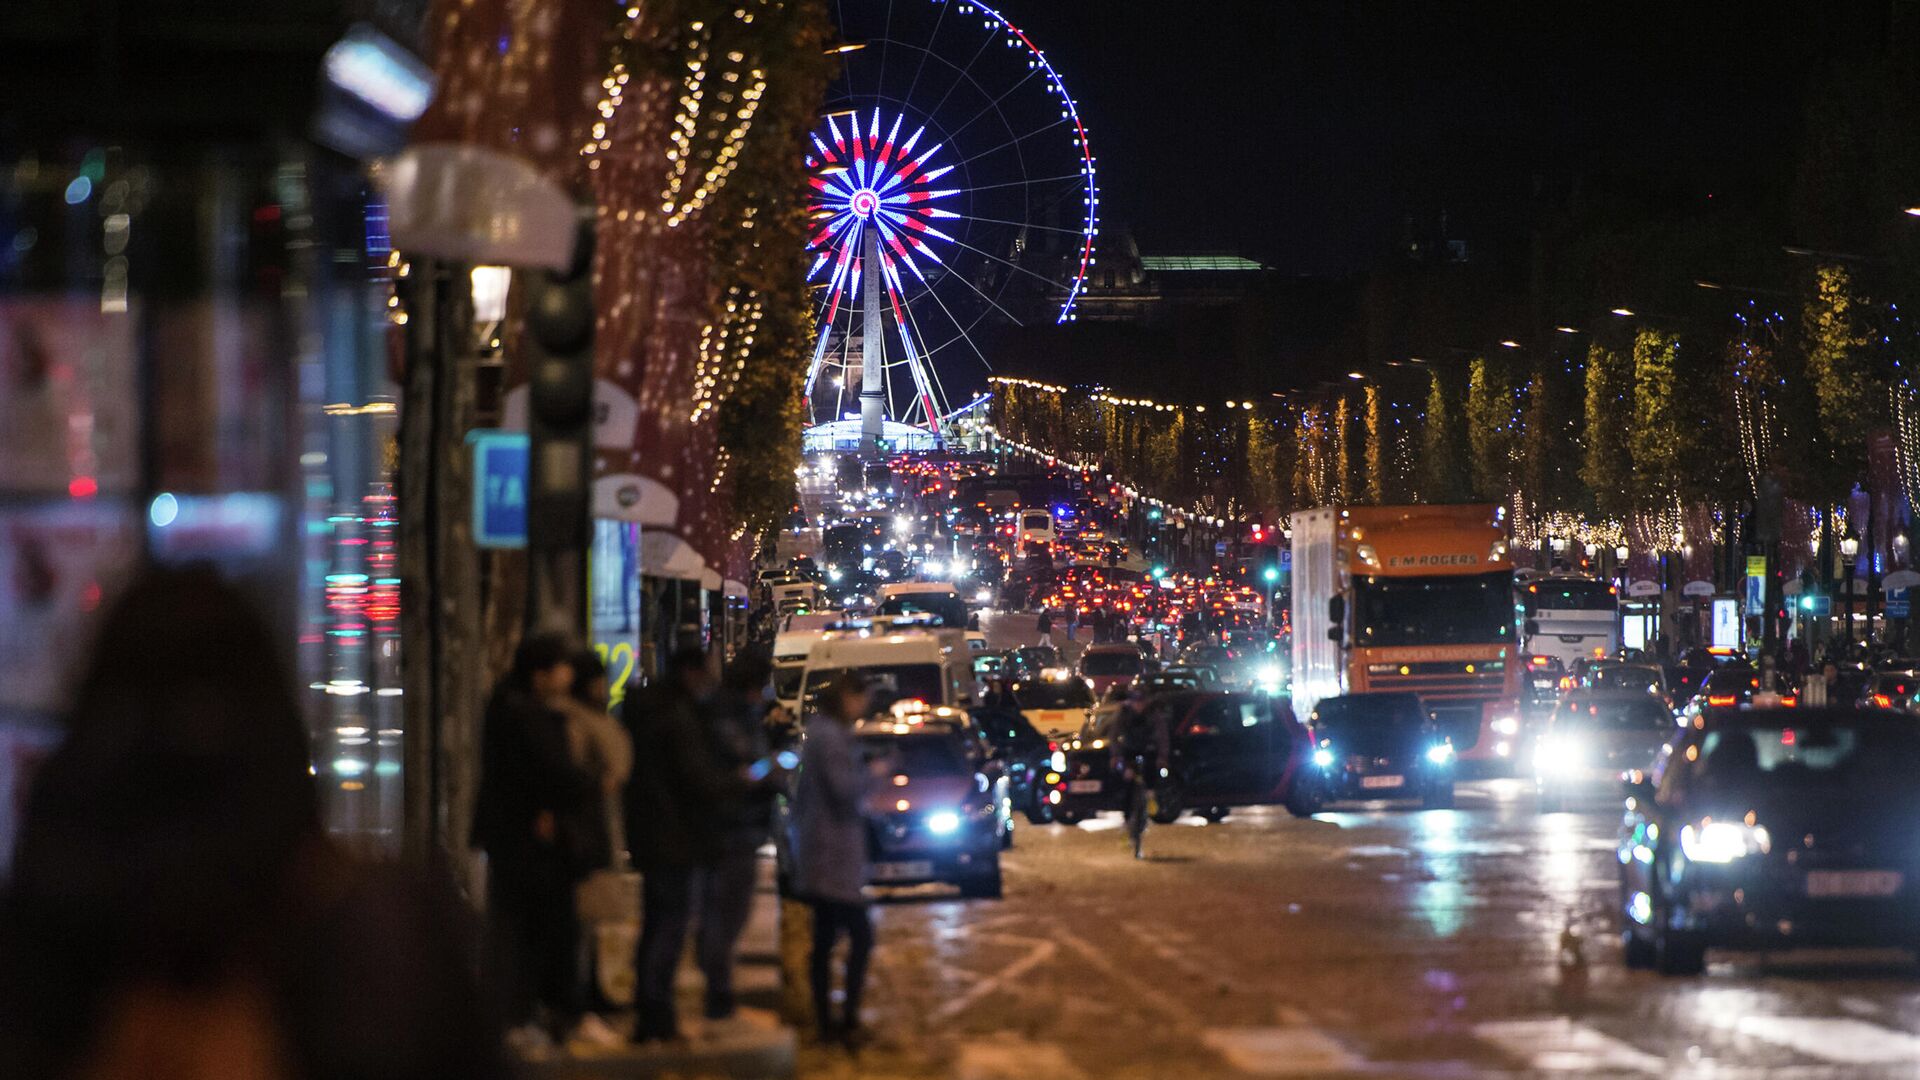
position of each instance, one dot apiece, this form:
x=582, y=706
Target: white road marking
x=1557, y=1044
x=1039, y=953
x=1139, y=988
x=1830, y=1038
x=1275, y=1051
x=1009, y=1057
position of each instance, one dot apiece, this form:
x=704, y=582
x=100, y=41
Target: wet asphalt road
x=1373, y=941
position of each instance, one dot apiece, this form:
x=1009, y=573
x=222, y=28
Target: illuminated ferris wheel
x=953, y=191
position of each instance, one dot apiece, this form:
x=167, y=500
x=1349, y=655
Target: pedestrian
x=1045, y=627
x=533, y=816
x=1818, y=691
x=176, y=908
x=737, y=732
x=1073, y=621
x=677, y=782
x=830, y=853
x=601, y=747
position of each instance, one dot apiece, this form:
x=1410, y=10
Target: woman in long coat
x=830, y=851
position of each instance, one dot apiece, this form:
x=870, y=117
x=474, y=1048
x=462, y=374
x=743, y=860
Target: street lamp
x=1849, y=550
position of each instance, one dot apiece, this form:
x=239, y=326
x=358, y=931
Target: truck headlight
x=1506, y=725
x=944, y=823
x=1724, y=841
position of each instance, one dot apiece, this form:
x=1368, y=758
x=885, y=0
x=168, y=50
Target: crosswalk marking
x=1559, y=1045
x=1840, y=1039
x=1272, y=1051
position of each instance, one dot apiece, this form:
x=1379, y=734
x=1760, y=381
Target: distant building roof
x=1198, y=262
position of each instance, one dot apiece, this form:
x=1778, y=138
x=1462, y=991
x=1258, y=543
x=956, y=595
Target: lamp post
x=1849, y=550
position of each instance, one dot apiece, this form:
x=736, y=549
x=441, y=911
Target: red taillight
x=1721, y=699
x=1053, y=748
x=1883, y=700
x=1790, y=700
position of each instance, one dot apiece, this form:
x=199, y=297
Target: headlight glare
x=1323, y=757
x=1724, y=841
x=1440, y=753
x=943, y=823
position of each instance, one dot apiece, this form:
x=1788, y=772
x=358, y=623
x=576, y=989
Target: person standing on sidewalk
x=532, y=816
x=677, y=782
x=600, y=747
x=830, y=852
x=736, y=730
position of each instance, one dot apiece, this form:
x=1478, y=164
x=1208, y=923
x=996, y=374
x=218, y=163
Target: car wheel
x=1069, y=817
x=1439, y=797
x=1303, y=800
x=1215, y=814
x=1636, y=951
x=1168, y=804
x=1040, y=812
x=1678, y=953
x=983, y=884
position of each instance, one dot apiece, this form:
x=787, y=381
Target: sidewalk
x=755, y=1046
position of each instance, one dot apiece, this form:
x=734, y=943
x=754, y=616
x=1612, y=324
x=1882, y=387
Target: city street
x=1379, y=941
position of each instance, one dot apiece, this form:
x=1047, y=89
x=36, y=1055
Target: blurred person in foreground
x=830, y=852
x=176, y=909
x=737, y=733
x=599, y=746
x=677, y=782
x=533, y=816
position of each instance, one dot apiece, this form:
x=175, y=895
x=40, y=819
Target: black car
x=1227, y=750
x=1026, y=756
x=1773, y=827
x=1380, y=746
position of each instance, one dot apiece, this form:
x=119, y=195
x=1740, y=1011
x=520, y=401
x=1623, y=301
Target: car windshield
x=1369, y=710
x=786, y=680
x=1053, y=694
x=1570, y=596
x=1115, y=662
x=889, y=682
x=1814, y=755
x=916, y=755
x=1636, y=679
x=1465, y=610
x=1623, y=714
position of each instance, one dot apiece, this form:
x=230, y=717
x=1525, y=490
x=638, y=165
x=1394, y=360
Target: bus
x=1411, y=598
x=1571, y=618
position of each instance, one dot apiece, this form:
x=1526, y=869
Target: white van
x=929, y=597
x=794, y=596
x=790, y=649
x=1036, y=527
x=926, y=664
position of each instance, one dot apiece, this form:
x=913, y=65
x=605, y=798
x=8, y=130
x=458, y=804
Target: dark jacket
x=736, y=733
x=526, y=770
x=678, y=783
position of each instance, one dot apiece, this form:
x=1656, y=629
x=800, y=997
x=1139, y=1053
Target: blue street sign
x=499, y=488
x=1898, y=604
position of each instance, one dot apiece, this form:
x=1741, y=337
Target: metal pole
x=873, y=354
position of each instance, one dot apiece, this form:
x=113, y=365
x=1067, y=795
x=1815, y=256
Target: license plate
x=1383, y=781
x=902, y=871
x=1083, y=787
x=1853, y=882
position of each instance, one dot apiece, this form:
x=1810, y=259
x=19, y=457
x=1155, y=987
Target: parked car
x=1772, y=827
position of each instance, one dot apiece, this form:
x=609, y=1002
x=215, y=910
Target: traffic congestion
x=1041, y=663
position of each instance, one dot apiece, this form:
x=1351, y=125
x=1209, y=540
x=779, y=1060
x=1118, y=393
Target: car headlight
x=1724, y=841
x=1269, y=674
x=1440, y=753
x=936, y=568
x=1506, y=725
x=1323, y=757
x=943, y=823
x=1560, y=754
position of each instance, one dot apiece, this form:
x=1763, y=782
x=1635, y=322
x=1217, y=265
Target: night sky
x=1304, y=133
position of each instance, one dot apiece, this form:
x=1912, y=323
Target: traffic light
x=1271, y=574
x=560, y=318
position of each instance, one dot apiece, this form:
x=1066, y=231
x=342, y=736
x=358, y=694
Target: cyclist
x=1141, y=752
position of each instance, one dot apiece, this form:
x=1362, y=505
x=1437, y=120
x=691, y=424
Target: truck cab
x=1412, y=599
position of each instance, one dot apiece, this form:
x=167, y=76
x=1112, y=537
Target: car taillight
x=1789, y=700
x=1721, y=699
x=1883, y=700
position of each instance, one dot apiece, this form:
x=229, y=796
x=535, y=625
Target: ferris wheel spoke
x=965, y=73
x=1016, y=141
x=932, y=35
x=982, y=252
x=960, y=330
x=1025, y=183
x=994, y=105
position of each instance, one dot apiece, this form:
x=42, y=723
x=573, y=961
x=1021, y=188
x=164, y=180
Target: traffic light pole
x=560, y=318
